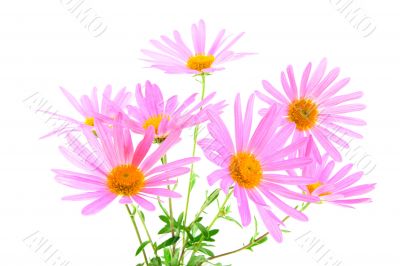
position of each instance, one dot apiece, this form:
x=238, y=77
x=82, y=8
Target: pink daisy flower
x=169, y=116
x=89, y=109
x=114, y=168
x=254, y=165
x=335, y=188
x=174, y=56
x=314, y=108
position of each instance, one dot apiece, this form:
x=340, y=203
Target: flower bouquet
x=286, y=151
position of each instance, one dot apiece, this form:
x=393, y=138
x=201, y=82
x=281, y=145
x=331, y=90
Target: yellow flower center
x=312, y=187
x=304, y=113
x=246, y=170
x=89, y=121
x=200, y=62
x=155, y=121
x=125, y=180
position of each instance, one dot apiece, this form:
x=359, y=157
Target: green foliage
x=141, y=247
x=170, y=260
x=168, y=242
x=196, y=260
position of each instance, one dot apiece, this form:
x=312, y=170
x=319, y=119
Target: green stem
x=218, y=215
x=171, y=211
x=132, y=215
x=257, y=239
x=148, y=234
x=195, y=136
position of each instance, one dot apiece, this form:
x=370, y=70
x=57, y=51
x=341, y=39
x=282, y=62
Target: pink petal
x=304, y=81
x=238, y=124
x=144, y=203
x=161, y=192
x=340, y=174
x=98, y=204
x=284, y=207
x=217, y=175
x=286, y=164
x=172, y=165
x=171, y=140
x=287, y=179
x=274, y=92
x=86, y=196
x=243, y=205
x=73, y=101
x=271, y=222
x=326, y=144
x=143, y=146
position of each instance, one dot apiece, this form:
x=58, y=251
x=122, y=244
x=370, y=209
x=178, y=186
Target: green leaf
x=179, y=224
x=167, y=256
x=166, y=229
x=206, y=251
x=168, y=242
x=141, y=215
x=255, y=242
x=193, y=178
x=141, y=247
x=165, y=219
x=155, y=262
x=196, y=260
x=213, y=232
x=203, y=230
x=230, y=219
x=255, y=227
x=187, y=230
x=211, y=198
x=162, y=208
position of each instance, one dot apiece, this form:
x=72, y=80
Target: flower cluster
x=285, y=151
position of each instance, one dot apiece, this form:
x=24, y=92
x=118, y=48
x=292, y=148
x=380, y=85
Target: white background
x=43, y=46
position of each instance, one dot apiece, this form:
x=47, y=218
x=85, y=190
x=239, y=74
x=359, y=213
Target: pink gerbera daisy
x=165, y=117
x=174, y=56
x=114, y=168
x=255, y=165
x=89, y=108
x=335, y=188
x=314, y=108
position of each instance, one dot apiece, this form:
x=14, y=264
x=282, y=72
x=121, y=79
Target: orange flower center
x=312, y=187
x=304, y=113
x=200, y=62
x=125, y=180
x=246, y=170
x=89, y=121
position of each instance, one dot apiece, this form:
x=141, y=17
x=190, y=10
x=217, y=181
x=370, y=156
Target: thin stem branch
x=195, y=136
x=221, y=209
x=132, y=215
x=257, y=239
x=170, y=209
x=148, y=234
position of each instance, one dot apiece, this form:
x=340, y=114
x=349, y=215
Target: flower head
x=314, y=108
x=334, y=187
x=89, y=109
x=254, y=163
x=114, y=168
x=169, y=116
x=174, y=56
